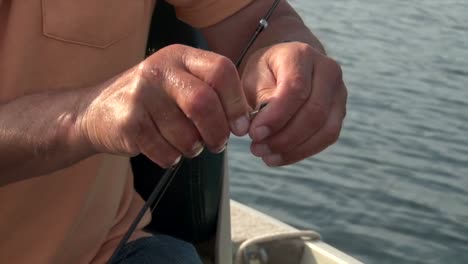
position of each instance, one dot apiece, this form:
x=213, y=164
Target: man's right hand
x=174, y=103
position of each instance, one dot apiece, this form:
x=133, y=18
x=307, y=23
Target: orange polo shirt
x=78, y=214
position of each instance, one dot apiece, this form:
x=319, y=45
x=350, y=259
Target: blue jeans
x=159, y=249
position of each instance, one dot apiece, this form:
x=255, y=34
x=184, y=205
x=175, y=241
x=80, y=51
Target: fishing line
x=262, y=24
x=169, y=174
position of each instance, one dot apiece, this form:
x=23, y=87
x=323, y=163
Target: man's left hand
x=306, y=99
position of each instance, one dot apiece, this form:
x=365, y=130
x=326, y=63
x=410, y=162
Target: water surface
x=394, y=189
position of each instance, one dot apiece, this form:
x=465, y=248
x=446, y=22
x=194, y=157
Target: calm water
x=394, y=189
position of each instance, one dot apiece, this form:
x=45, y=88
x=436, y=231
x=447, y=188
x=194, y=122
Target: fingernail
x=240, y=126
x=260, y=133
x=222, y=148
x=176, y=161
x=197, y=149
x=273, y=160
x=261, y=150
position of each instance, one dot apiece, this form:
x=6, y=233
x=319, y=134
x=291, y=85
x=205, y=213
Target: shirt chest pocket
x=95, y=23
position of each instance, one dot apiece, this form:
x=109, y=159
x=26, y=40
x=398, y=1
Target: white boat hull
x=248, y=224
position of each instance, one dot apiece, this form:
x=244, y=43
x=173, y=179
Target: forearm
x=284, y=25
x=39, y=134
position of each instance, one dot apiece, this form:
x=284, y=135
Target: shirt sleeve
x=204, y=13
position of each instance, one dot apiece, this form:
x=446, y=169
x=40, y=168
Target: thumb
x=291, y=90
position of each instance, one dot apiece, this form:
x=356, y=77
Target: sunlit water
x=394, y=189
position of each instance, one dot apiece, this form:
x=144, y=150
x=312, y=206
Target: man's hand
x=174, y=103
x=306, y=99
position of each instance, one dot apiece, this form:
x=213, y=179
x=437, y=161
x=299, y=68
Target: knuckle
x=298, y=87
x=173, y=49
x=222, y=62
x=222, y=67
x=305, y=49
x=333, y=133
x=150, y=72
x=200, y=103
x=333, y=68
x=176, y=47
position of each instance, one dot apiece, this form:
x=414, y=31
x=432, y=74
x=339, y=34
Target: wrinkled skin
x=306, y=99
x=173, y=103
x=181, y=99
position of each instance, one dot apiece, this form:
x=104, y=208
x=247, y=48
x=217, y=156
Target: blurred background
x=394, y=189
